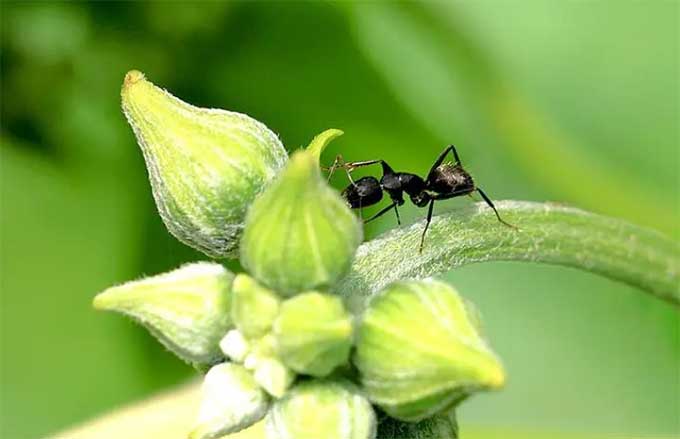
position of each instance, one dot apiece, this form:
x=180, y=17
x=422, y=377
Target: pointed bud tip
x=102, y=301
x=322, y=140
x=496, y=378
x=132, y=77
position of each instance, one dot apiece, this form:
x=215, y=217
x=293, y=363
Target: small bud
x=260, y=349
x=232, y=401
x=322, y=410
x=235, y=346
x=270, y=373
x=205, y=165
x=273, y=376
x=253, y=307
x=419, y=352
x=186, y=309
x=313, y=333
x=300, y=235
x=442, y=426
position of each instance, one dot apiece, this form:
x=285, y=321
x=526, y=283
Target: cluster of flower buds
x=278, y=347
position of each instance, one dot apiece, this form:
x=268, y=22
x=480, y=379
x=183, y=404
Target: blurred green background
x=568, y=101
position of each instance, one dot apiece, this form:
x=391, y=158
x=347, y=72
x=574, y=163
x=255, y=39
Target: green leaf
x=548, y=233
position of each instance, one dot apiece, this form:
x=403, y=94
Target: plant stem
x=548, y=233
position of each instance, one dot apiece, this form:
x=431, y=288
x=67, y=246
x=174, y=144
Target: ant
x=444, y=181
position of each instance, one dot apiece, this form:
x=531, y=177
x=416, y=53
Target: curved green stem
x=548, y=233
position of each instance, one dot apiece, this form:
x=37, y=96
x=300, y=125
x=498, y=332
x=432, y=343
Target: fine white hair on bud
x=187, y=309
x=206, y=166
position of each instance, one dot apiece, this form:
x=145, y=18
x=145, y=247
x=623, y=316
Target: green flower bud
x=205, y=165
x=419, y=352
x=261, y=348
x=235, y=346
x=322, y=410
x=270, y=373
x=253, y=307
x=442, y=426
x=313, y=333
x=273, y=376
x=186, y=309
x=232, y=401
x=300, y=235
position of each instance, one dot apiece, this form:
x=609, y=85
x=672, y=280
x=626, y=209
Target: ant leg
x=488, y=201
x=354, y=165
x=442, y=156
x=397, y=212
x=382, y=212
x=427, y=225
x=349, y=176
x=387, y=169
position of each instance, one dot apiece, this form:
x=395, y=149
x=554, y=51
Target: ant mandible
x=444, y=181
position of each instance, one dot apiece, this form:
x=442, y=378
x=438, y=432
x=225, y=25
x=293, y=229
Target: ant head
x=363, y=192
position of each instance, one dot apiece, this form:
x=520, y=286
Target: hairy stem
x=548, y=233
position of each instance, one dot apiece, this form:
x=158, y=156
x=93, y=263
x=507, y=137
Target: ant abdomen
x=449, y=178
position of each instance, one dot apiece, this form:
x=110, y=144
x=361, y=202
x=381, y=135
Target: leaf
x=548, y=233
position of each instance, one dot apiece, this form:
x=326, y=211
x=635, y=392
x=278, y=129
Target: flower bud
x=322, y=410
x=300, y=234
x=231, y=401
x=205, y=165
x=270, y=373
x=313, y=333
x=273, y=376
x=419, y=352
x=186, y=309
x=234, y=346
x=253, y=307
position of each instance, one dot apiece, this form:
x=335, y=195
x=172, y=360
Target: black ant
x=444, y=181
